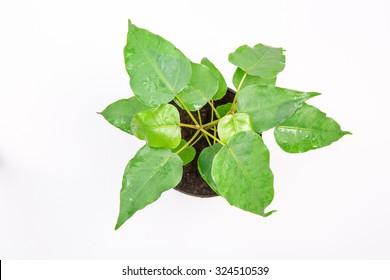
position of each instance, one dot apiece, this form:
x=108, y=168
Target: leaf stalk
x=234, y=105
x=186, y=109
x=188, y=143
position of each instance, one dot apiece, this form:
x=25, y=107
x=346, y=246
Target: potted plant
x=190, y=119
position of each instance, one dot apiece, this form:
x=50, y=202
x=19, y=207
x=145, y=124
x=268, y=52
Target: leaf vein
x=154, y=66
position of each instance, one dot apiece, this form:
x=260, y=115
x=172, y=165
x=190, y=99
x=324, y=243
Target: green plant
x=236, y=165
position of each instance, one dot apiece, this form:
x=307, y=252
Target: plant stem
x=234, y=105
x=189, y=125
x=199, y=118
x=193, y=143
x=212, y=119
x=215, y=133
x=241, y=82
x=207, y=138
x=213, y=109
x=212, y=112
x=185, y=108
x=212, y=136
x=188, y=143
x=212, y=116
x=210, y=123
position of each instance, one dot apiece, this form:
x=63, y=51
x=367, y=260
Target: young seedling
x=236, y=163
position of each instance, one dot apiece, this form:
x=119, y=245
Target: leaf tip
x=118, y=224
x=121, y=220
x=130, y=25
x=268, y=213
x=347, y=133
x=313, y=94
x=231, y=57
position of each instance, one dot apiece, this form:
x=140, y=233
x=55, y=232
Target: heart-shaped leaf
x=222, y=87
x=158, y=126
x=187, y=154
x=121, y=112
x=151, y=172
x=230, y=125
x=307, y=129
x=205, y=161
x=242, y=175
x=202, y=87
x=250, y=80
x=157, y=69
x=261, y=60
x=269, y=106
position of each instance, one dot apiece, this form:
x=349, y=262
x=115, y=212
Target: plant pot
x=192, y=183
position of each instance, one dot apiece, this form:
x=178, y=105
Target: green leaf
x=187, y=154
x=307, y=129
x=205, y=161
x=242, y=175
x=202, y=87
x=224, y=109
x=269, y=106
x=121, y=112
x=263, y=61
x=158, y=126
x=151, y=172
x=222, y=87
x=157, y=69
x=250, y=80
x=230, y=125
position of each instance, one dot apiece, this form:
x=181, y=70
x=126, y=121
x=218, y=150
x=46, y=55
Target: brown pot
x=192, y=183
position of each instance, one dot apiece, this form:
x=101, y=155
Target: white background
x=61, y=164
x=113, y=269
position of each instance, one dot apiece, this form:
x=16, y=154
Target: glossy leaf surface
x=224, y=109
x=269, y=106
x=151, y=172
x=158, y=126
x=205, y=161
x=187, y=154
x=242, y=175
x=202, y=87
x=261, y=60
x=222, y=87
x=250, y=80
x=307, y=129
x=121, y=112
x=157, y=70
x=230, y=125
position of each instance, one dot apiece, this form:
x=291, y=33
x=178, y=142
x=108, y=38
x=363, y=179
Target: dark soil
x=192, y=183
